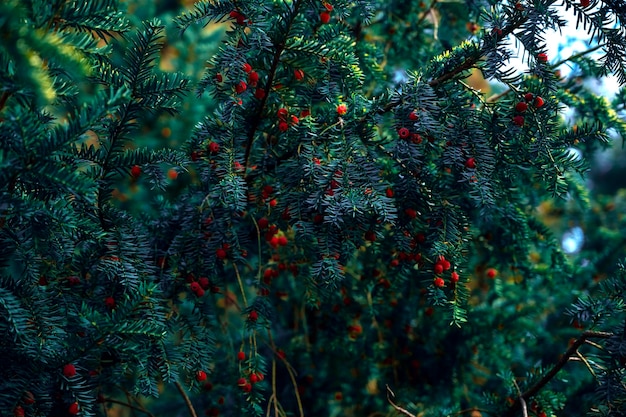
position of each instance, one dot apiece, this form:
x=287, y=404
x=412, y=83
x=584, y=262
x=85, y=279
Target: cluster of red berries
x=253, y=378
x=442, y=265
x=222, y=253
x=273, y=235
x=404, y=257
x=325, y=14
x=201, y=285
x=405, y=134
x=285, y=120
x=522, y=106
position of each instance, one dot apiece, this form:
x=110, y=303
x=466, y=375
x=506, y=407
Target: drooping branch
x=571, y=351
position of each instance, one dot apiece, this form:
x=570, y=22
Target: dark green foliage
x=321, y=187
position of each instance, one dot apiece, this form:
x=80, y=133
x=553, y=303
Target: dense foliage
x=308, y=207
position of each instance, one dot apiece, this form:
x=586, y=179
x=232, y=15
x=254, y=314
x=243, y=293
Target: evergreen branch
x=258, y=116
x=571, y=351
x=192, y=411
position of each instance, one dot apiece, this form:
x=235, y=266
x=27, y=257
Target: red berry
x=204, y=283
x=246, y=67
x=241, y=356
x=529, y=96
x=538, y=102
x=389, y=192
x=282, y=240
x=328, y=6
x=109, y=302
x=492, y=273
x=200, y=376
x=194, y=286
x=298, y=74
x=521, y=107
x=214, y=147
x=259, y=93
x=282, y=113
x=253, y=78
x=410, y=212
x=135, y=171
x=172, y=174
x=273, y=202
x=294, y=120
x=69, y=370
x=438, y=269
x=238, y=17
x=518, y=120
x=253, y=316
x=73, y=409
x=342, y=109
x=454, y=277
x=242, y=382
x=220, y=253
x=219, y=78
x=18, y=411
x=247, y=387
x=325, y=17
x=404, y=133
x=445, y=263
x=283, y=126
x=542, y=57
x=585, y=3
x=263, y=223
x=413, y=116
x=281, y=354
x=394, y=263
x=470, y=163
x=439, y=282
x=254, y=378
x=370, y=235
x=241, y=87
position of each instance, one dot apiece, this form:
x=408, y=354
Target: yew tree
x=310, y=208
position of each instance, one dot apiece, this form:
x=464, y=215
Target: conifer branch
x=571, y=351
x=258, y=116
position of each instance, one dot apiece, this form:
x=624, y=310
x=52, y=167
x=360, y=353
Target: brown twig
x=390, y=394
x=571, y=351
x=131, y=406
x=192, y=411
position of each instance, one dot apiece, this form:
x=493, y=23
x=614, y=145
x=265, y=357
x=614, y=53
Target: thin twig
x=586, y=362
x=521, y=399
x=390, y=394
x=192, y=411
x=131, y=406
x=571, y=351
